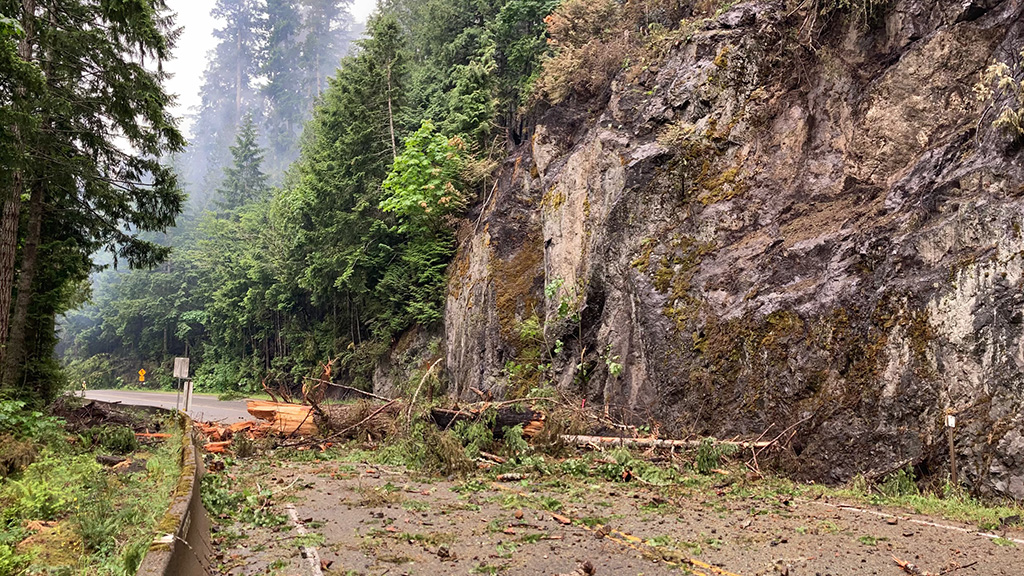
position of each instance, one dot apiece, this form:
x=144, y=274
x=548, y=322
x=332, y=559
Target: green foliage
x=354, y=246
x=229, y=504
x=82, y=161
x=244, y=180
x=612, y=362
x=444, y=453
x=423, y=187
x=112, y=438
x=898, y=484
x=18, y=420
x=710, y=453
x=114, y=515
x=97, y=525
x=475, y=436
x=11, y=562
x=49, y=487
x=515, y=446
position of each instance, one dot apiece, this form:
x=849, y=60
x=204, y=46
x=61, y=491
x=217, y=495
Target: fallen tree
x=579, y=440
x=287, y=419
x=505, y=417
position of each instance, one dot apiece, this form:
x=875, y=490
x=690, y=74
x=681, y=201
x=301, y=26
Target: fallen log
x=287, y=419
x=217, y=447
x=505, y=418
x=240, y=426
x=146, y=435
x=345, y=420
x=651, y=442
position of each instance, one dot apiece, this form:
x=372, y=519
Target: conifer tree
x=327, y=36
x=84, y=190
x=228, y=92
x=244, y=180
x=287, y=106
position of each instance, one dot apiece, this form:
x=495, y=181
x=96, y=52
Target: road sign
x=142, y=375
x=181, y=368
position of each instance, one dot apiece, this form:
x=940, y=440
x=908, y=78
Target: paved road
x=204, y=407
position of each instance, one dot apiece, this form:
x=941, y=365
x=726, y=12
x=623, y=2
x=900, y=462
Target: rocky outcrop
x=771, y=225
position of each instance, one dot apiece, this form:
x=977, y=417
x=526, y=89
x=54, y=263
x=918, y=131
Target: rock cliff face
x=765, y=228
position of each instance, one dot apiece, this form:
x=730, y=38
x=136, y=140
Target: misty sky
x=197, y=39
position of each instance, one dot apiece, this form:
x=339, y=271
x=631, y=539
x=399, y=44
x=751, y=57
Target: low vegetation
x=61, y=511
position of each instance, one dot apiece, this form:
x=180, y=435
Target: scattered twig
x=268, y=390
x=950, y=570
x=783, y=433
x=361, y=422
x=756, y=469
x=912, y=569
x=349, y=388
x=408, y=413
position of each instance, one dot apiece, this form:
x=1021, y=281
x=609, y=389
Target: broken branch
x=654, y=442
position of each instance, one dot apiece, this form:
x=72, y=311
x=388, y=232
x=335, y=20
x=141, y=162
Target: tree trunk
x=8, y=249
x=238, y=77
x=10, y=218
x=15, y=356
x=391, y=119
x=319, y=87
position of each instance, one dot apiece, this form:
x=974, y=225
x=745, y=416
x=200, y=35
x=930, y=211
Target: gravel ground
x=374, y=520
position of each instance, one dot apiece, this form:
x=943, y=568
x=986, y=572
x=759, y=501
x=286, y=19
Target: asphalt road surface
x=204, y=407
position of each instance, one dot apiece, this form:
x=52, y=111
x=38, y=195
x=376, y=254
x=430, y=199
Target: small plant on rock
x=999, y=83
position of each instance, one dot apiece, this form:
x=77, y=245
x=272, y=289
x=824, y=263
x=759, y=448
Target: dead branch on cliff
x=348, y=388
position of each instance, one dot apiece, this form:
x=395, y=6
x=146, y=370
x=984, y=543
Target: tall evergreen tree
x=244, y=181
x=287, y=106
x=229, y=91
x=82, y=188
x=326, y=24
x=239, y=52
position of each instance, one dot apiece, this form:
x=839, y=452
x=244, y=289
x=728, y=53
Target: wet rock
x=752, y=247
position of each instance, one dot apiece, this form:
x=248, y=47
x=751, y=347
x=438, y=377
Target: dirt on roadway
x=367, y=519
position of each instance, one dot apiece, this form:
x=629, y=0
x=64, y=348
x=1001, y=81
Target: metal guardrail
x=182, y=547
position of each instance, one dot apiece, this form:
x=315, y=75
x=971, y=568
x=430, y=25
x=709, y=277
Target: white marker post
x=188, y=395
x=950, y=424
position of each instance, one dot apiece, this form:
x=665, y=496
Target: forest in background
x=279, y=266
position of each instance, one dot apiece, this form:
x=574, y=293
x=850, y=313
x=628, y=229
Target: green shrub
x=48, y=488
x=116, y=439
x=898, y=484
x=97, y=525
x=11, y=562
x=19, y=421
x=710, y=453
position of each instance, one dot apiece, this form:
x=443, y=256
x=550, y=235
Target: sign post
x=181, y=373
x=188, y=395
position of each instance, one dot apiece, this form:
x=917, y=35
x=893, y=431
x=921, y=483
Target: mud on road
x=366, y=519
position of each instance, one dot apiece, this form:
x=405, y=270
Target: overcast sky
x=197, y=39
